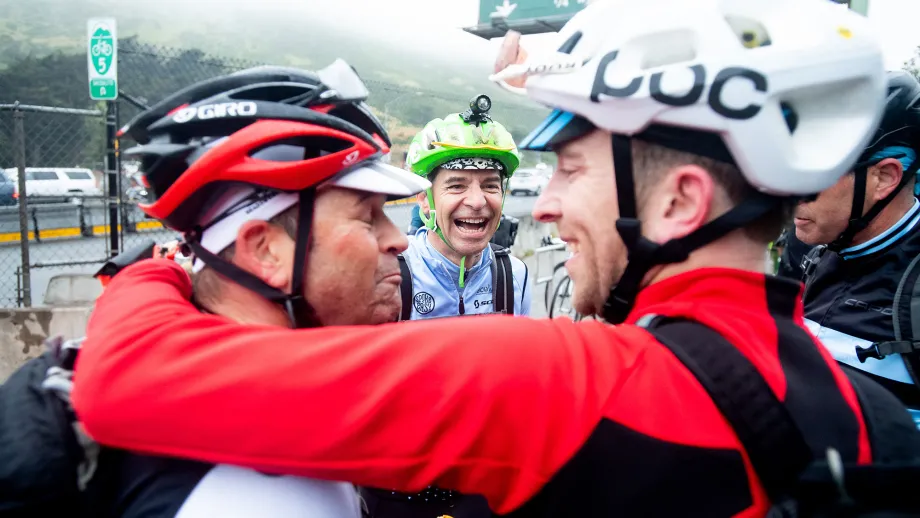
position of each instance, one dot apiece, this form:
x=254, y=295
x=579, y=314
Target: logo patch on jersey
x=483, y=290
x=484, y=303
x=423, y=302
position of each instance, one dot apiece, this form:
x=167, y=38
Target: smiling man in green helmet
x=453, y=270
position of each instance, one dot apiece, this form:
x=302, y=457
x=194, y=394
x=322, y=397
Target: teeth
x=473, y=221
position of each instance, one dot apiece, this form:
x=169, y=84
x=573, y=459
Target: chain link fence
x=60, y=195
x=55, y=222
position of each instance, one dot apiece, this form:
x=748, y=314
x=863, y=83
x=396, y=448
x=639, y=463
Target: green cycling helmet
x=468, y=135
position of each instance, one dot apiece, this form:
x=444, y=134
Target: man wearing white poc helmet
x=718, y=111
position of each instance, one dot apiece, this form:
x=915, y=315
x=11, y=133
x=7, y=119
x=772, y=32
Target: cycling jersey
x=848, y=302
x=543, y=417
x=436, y=281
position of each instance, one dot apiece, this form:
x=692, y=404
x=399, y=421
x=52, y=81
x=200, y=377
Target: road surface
x=46, y=257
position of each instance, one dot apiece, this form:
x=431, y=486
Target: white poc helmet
x=729, y=67
x=790, y=91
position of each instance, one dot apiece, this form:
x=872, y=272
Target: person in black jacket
x=868, y=226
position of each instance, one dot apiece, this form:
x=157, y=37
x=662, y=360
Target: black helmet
x=173, y=134
x=900, y=126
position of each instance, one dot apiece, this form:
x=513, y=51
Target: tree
x=912, y=65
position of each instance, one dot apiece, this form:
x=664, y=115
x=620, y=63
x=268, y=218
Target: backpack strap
x=810, y=262
x=502, y=280
x=773, y=442
x=405, y=289
x=906, y=318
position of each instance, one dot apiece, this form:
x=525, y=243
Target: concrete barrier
x=23, y=332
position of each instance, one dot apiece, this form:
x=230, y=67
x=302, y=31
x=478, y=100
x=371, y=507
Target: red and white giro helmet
x=790, y=91
x=252, y=144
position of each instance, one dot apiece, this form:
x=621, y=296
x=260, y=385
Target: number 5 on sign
x=102, y=59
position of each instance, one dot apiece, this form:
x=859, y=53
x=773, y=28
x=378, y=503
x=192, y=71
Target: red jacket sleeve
x=491, y=405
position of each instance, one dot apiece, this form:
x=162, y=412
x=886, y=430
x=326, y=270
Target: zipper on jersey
x=460, y=293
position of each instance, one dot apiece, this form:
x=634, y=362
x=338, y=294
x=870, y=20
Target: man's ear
x=266, y=251
x=681, y=204
x=886, y=176
x=422, y=199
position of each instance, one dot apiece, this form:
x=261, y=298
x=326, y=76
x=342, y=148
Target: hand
x=166, y=250
x=511, y=53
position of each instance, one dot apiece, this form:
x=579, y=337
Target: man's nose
x=391, y=239
x=475, y=198
x=547, y=208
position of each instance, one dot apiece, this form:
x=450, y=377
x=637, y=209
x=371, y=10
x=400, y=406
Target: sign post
x=102, y=59
x=102, y=63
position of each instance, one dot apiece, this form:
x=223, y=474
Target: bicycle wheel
x=549, y=290
x=562, y=293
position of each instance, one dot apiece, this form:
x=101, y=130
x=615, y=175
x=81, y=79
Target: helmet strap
x=431, y=223
x=859, y=221
x=504, y=191
x=299, y=311
x=430, y=220
x=644, y=254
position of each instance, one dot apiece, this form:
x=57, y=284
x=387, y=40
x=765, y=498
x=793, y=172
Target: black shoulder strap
x=405, y=289
x=130, y=256
x=502, y=280
x=906, y=318
x=810, y=262
x=773, y=442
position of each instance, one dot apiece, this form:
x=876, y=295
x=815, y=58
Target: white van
x=58, y=181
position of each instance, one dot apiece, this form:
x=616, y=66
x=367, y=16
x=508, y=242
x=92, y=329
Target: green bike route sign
x=102, y=59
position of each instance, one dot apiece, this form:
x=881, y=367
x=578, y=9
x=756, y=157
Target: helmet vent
x=274, y=92
x=752, y=34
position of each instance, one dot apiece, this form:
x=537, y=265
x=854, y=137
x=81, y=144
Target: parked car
x=8, y=192
x=530, y=181
x=57, y=182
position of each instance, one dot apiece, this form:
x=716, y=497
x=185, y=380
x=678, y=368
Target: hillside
x=276, y=31
x=412, y=78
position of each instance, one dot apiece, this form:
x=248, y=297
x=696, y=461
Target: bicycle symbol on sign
x=102, y=48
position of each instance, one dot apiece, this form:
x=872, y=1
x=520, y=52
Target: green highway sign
x=102, y=59
x=512, y=10
x=496, y=17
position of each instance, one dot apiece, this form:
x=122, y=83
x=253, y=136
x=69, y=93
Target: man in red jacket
x=289, y=229
x=667, y=189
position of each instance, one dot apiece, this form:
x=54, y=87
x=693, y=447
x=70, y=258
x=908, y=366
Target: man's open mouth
x=471, y=225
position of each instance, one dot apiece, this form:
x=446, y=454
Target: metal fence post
x=20, y=139
x=111, y=166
